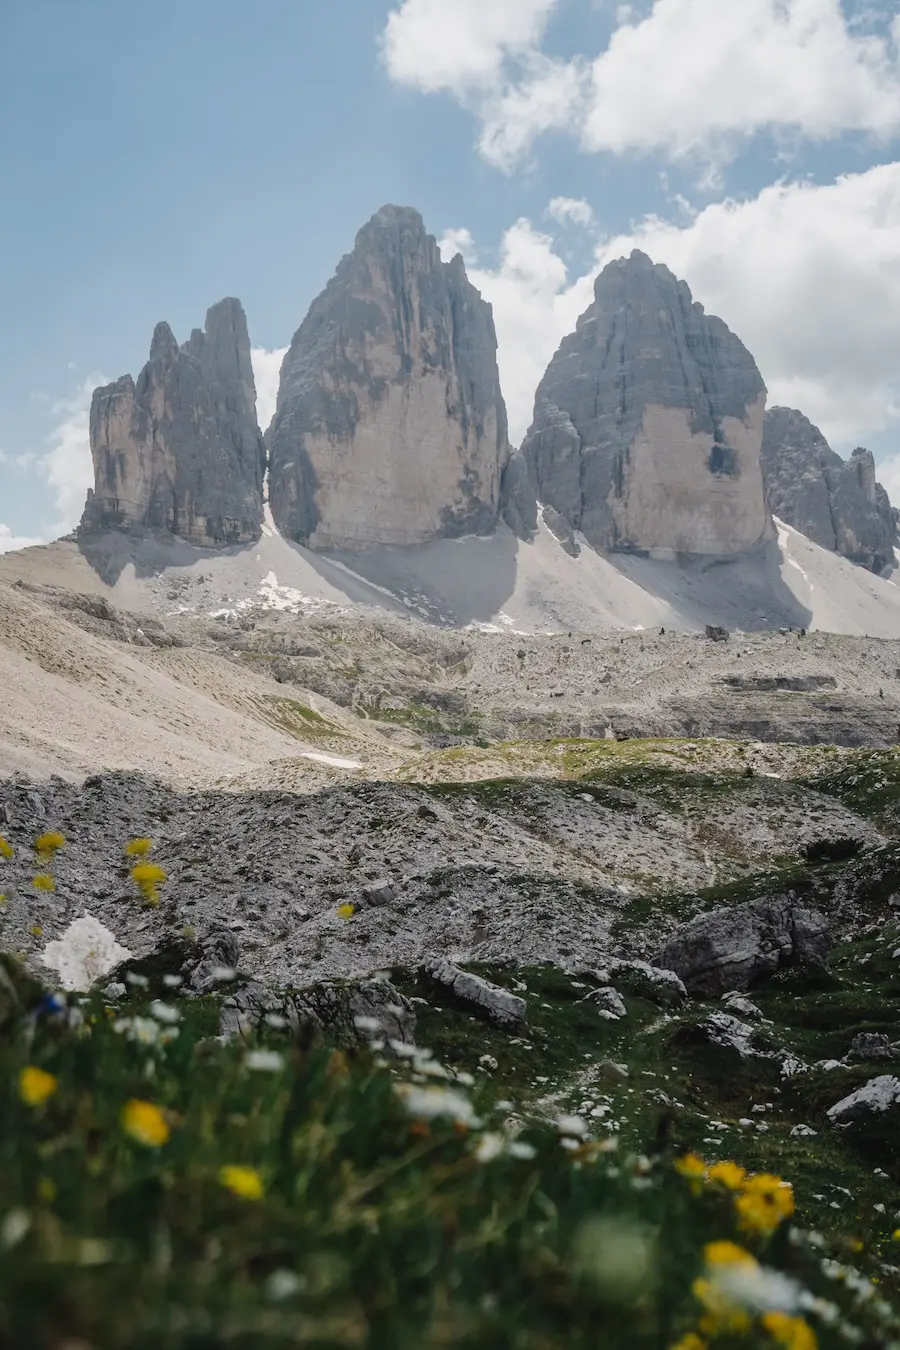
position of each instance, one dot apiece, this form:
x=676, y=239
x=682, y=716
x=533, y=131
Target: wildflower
x=36, y=1086
x=346, y=911
x=725, y=1253
x=690, y=1341
x=763, y=1202
x=148, y=877
x=47, y=1190
x=138, y=848
x=46, y=845
x=44, y=882
x=145, y=1123
x=691, y=1166
x=164, y=1012
x=6, y=849
x=37, y=930
x=790, y=1332
x=265, y=1061
x=728, y=1174
x=242, y=1181
x=429, y=1103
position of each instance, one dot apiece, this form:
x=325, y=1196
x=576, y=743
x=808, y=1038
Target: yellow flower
x=148, y=877
x=47, y=1190
x=764, y=1201
x=727, y=1254
x=138, y=848
x=896, y=1235
x=728, y=1173
x=36, y=1085
x=44, y=882
x=691, y=1166
x=243, y=1181
x=791, y=1332
x=145, y=1123
x=690, y=1341
x=6, y=849
x=47, y=844
x=346, y=911
x=37, y=930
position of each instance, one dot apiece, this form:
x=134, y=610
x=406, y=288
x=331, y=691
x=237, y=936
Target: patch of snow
x=86, y=951
x=333, y=760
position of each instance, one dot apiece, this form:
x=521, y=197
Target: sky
x=154, y=161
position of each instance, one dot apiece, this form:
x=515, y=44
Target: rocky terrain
x=180, y=450
x=390, y=426
x=648, y=423
x=836, y=503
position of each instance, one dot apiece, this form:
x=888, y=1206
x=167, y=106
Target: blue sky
x=156, y=160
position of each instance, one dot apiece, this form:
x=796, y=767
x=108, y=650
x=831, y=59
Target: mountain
x=836, y=503
x=648, y=423
x=180, y=450
x=390, y=425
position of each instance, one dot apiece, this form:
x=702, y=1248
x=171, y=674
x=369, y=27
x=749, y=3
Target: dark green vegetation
x=379, y=1224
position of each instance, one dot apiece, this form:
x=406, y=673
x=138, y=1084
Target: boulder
x=870, y=1116
x=390, y=426
x=648, y=423
x=609, y=1003
x=730, y=949
x=376, y=894
x=351, y=1012
x=649, y=982
x=476, y=994
x=871, y=1045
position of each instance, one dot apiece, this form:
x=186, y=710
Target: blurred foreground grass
x=160, y=1189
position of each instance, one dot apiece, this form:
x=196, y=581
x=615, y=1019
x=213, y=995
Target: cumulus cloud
x=67, y=466
x=266, y=372
x=461, y=46
x=574, y=209
x=10, y=541
x=458, y=241
x=691, y=77
x=807, y=275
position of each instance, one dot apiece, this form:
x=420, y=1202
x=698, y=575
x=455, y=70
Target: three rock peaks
x=650, y=429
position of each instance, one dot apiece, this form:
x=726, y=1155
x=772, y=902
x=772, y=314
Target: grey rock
x=180, y=449
x=390, y=426
x=648, y=423
x=609, y=1003
x=716, y=634
x=744, y=1007
x=353, y=1013
x=561, y=528
x=477, y=994
x=728, y=949
x=376, y=894
x=114, y=991
x=836, y=503
x=518, y=504
x=878, y=1099
x=870, y=1045
x=608, y=1070
x=649, y=982
x=219, y=952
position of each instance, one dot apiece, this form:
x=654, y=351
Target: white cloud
x=459, y=45
x=693, y=77
x=807, y=276
x=889, y=477
x=10, y=541
x=576, y=210
x=266, y=373
x=67, y=467
x=458, y=241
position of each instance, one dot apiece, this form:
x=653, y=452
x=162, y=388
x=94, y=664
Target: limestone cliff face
x=180, y=449
x=648, y=423
x=837, y=503
x=390, y=426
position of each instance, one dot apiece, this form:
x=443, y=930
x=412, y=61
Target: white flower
x=370, y=1024
x=265, y=1061
x=283, y=1284
x=429, y=1103
x=572, y=1125
x=276, y=1021
x=144, y=1031
x=172, y=981
x=13, y=1227
x=164, y=1012
x=223, y=974
x=403, y=1049
x=489, y=1147
x=86, y=951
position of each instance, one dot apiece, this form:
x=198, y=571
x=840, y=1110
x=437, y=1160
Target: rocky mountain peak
x=390, y=425
x=648, y=423
x=180, y=449
x=837, y=503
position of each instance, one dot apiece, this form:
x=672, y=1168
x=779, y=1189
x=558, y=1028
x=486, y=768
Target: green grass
x=375, y=1227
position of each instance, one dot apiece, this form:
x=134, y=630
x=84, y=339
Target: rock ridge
x=648, y=423
x=180, y=449
x=390, y=426
x=837, y=503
